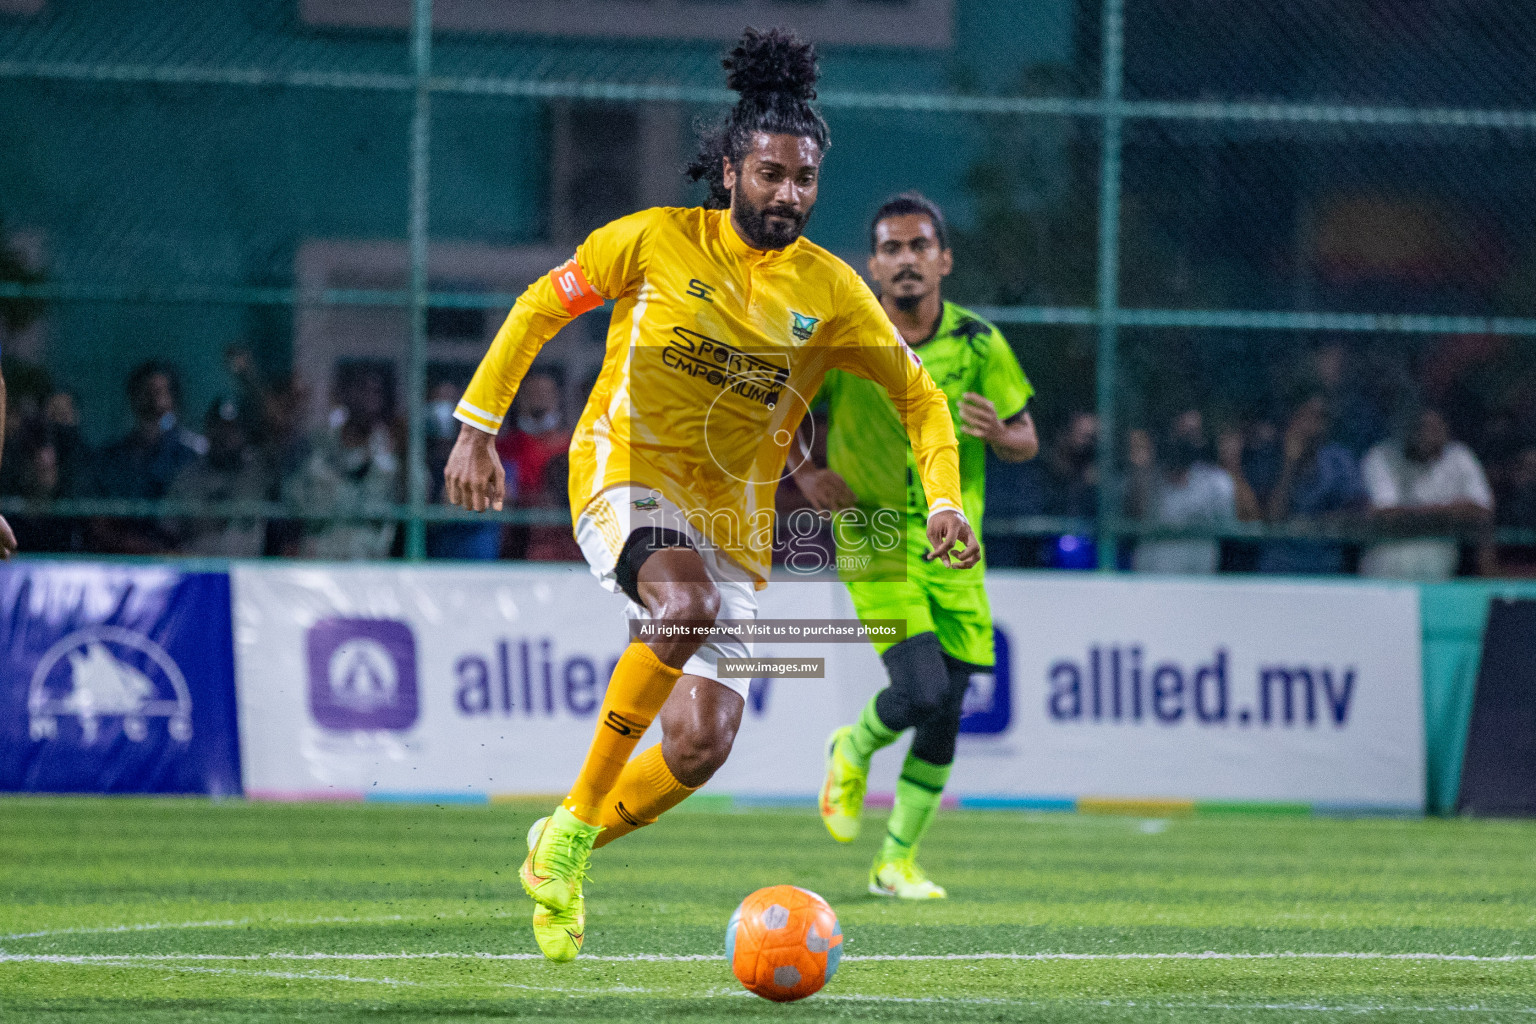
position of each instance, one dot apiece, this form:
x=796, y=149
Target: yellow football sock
x=639, y=687
x=646, y=790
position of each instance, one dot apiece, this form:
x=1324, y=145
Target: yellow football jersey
x=715, y=350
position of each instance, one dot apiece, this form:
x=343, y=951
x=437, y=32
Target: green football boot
x=902, y=878
x=559, y=850
x=559, y=933
x=842, y=794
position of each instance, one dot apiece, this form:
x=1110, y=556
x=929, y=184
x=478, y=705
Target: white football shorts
x=607, y=523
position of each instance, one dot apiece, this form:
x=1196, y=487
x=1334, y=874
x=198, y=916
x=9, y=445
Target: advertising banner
x=374, y=682
x=1122, y=688
x=116, y=679
x=463, y=683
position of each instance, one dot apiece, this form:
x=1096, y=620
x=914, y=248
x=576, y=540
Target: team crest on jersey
x=803, y=326
x=647, y=504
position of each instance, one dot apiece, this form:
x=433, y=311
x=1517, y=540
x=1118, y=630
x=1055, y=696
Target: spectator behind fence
x=1356, y=418
x=1318, y=484
x=1178, y=487
x=1422, y=482
x=144, y=462
x=462, y=541
x=1071, y=485
x=539, y=434
x=232, y=470
x=549, y=542
x=353, y=470
x=1517, y=510
x=1013, y=489
x=36, y=471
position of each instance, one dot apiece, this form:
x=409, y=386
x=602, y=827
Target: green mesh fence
x=1167, y=204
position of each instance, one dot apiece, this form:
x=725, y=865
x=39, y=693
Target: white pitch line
x=109, y=959
x=1208, y=955
x=240, y=922
x=284, y=975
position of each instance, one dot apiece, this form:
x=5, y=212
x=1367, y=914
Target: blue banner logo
x=988, y=705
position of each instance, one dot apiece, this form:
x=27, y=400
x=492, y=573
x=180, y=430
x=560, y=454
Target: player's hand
x=978, y=418
x=953, y=541
x=474, y=478
x=825, y=489
x=7, y=540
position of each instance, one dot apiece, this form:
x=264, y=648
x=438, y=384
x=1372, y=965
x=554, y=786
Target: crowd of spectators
x=329, y=491
x=1355, y=487
x=1352, y=486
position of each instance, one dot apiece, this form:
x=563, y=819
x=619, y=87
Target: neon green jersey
x=866, y=442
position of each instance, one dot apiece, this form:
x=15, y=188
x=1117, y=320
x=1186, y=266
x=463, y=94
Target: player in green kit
x=869, y=473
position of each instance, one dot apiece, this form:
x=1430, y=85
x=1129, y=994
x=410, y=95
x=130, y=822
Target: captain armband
x=573, y=289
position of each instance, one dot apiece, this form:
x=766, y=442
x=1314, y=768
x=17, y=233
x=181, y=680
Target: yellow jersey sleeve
x=868, y=345
x=608, y=265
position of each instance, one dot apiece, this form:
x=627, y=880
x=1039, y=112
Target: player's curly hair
x=775, y=72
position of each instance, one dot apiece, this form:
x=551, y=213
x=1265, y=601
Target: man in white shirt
x=1177, y=487
x=1425, y=483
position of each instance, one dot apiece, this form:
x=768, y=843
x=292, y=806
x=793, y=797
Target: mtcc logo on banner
x=116, y=679
x=103, y=674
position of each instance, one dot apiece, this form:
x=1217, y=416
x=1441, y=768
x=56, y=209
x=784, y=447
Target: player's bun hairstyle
x=910, y=203
x=775, y=72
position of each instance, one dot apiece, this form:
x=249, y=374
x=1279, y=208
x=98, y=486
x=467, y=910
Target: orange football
x=783, y=943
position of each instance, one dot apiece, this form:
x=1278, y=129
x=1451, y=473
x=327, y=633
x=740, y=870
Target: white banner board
x=1205, y=690
x=358, y=682
x=463, y=682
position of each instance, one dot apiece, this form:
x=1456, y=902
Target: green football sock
x=918, y=793
x=869, y=735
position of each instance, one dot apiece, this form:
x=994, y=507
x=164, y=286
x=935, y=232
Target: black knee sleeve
x=919, y=682
x=642, y=544
x=934, y=739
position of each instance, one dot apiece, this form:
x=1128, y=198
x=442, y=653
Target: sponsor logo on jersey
x=646, y=504
x=105, y=675
x=362, y=674
x=803, y=326
x=725, y=366
x=698, y=289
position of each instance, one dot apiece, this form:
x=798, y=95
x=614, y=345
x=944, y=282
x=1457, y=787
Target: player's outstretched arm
x=474, y=478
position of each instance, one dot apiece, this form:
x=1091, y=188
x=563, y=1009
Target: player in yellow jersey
x=724, y=323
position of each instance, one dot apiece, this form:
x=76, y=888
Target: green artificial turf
x=181, y=910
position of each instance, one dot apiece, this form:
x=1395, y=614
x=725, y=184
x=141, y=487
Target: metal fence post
x=1111, y=58
x=416, y=374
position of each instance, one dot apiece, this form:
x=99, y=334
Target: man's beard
x=907, y=303
x=754, y=222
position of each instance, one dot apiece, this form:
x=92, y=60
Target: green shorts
x=931, y=597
